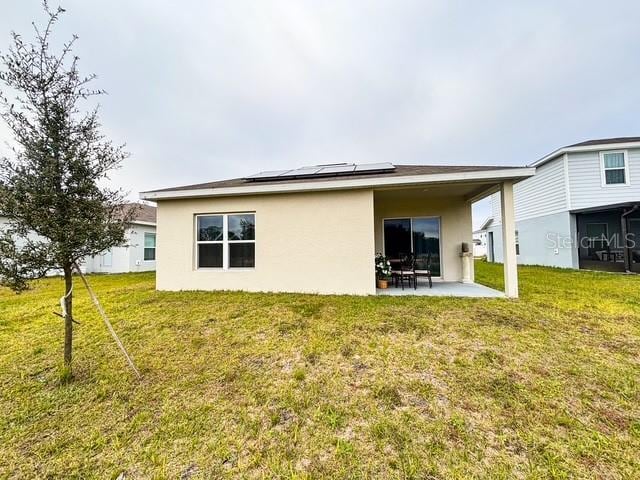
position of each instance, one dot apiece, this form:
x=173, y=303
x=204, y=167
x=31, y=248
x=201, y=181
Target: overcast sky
x=206, y=90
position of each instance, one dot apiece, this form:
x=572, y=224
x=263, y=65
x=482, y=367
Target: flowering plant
x=383, y=266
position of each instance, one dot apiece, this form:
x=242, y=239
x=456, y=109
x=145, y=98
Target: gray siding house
x=580, y=210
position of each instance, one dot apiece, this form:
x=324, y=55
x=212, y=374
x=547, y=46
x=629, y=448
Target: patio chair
x=404, y=269
x=423, y=268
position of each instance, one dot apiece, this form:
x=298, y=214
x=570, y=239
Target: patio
x=431, y=225
x=443, y=289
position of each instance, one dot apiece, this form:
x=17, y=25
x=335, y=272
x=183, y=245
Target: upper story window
x=615, y=168
x=226, y=241
x=149, y=246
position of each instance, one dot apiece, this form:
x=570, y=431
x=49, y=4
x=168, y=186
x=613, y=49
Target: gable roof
x=486, y=224
x=143, y=213
x=590, y=145
x=401, y=174
x=606, y=141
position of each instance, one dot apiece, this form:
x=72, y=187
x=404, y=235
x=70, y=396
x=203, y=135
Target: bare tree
x=50, y=188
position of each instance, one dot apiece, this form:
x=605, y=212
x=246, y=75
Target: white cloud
x=205, y=90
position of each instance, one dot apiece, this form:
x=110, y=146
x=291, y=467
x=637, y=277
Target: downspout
x=626, y=249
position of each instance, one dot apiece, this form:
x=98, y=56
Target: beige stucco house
x=317, y=229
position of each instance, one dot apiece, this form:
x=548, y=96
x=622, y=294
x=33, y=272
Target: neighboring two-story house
x=580, y=210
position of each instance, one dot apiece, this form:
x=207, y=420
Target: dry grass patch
x=302, y=386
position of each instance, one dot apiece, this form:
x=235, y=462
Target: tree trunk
x=68, y=320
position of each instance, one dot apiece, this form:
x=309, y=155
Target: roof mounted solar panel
x=268, y=174
x=302, y=172
x=319, y=171
x=344, y=168
x=368, y=167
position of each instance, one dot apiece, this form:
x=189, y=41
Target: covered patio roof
x=604, y=208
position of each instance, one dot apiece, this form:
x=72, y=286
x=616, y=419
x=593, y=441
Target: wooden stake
x=103, y=314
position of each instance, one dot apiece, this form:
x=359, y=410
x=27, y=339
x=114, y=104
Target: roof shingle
x=143, y=212
x=399, y=171
x=605, y=141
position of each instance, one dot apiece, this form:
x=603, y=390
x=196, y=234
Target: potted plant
x=383, y=270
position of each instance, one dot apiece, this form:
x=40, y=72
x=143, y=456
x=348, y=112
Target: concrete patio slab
x=443, y=289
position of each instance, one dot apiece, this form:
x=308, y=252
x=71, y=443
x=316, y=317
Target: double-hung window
x=614, y=168
x=241, y=237
x=226, y=241
x=149, y=246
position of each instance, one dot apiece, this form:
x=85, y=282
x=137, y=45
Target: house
x=580, y=210
x=317, y=229
x=480, y=241
x=138, y=255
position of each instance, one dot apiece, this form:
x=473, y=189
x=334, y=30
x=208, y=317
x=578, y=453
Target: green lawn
x=302, y=386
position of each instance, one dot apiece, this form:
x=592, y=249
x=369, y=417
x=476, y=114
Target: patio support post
x=625, y=244
x=626, y=249
x=509, y=241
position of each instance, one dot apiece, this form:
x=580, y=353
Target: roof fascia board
x=141, y=222
x=499, y=174
x=599, y=208
x=488, y=221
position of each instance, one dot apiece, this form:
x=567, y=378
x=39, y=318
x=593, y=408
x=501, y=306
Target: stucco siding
x=318, y=242
x=544, y=240
x=129, y=258
x=494, y=244
x=585, y=181
x=122, y=259
x=118, y=261
x=137, y=263
x=455, y=225
x=32, y=236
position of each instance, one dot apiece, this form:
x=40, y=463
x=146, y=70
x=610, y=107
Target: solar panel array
x=331, y=170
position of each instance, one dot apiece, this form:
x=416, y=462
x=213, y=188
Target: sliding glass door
x=418, y=235
x=426, y=243
x=397, y=237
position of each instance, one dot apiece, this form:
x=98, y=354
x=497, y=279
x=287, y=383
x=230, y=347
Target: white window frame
x=225, y=242
x=411, y=217
x=603, y=177
x=144, y=245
